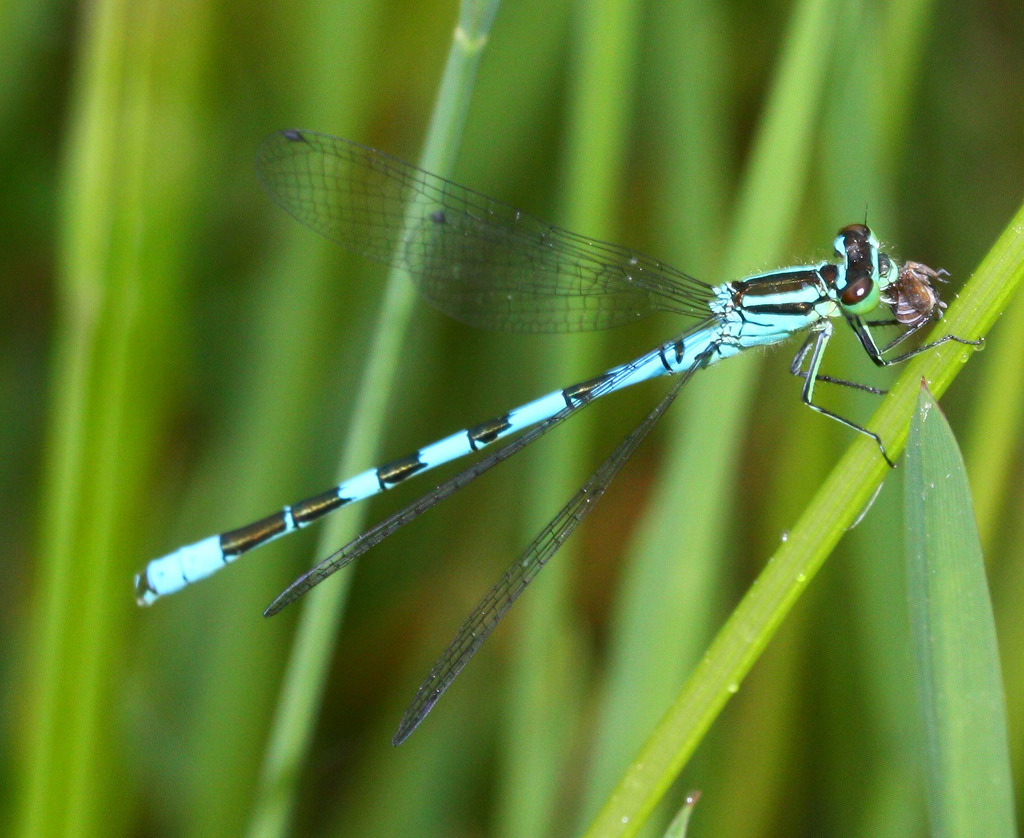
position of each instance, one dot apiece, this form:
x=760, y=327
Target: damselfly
x=489, y=265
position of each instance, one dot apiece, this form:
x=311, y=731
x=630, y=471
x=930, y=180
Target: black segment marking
x=579, y=393
x=396, y=471
x=486, y=432
x=799, y=309
x=746, y=292
x=680, y=350
x=238, y=541
x=312, y=508
x=747, y=303
x=664, y=360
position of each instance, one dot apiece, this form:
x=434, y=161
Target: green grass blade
x=960, y=688
x=662, y=598
x=538, y=731
x=681, y=822
x=834, y=508
x=995, y=423
x=122, y=209
x=321, y=614
x=178, y=357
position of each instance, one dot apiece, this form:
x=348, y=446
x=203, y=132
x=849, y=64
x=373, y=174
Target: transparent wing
x=376, y=534
x=344, y=556
x=485, y=617
x=476, y=259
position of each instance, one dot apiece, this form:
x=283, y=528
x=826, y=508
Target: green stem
x=320, y=620
x=830, y=513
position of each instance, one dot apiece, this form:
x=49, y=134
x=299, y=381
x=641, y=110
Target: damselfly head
x=855, y=243
x=860, y=291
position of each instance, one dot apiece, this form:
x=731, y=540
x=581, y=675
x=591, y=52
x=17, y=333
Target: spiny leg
x=906, y=356
x=796, y=368
x=867, y=339
x=821, y=338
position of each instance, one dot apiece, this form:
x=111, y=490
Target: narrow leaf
x=957, y=660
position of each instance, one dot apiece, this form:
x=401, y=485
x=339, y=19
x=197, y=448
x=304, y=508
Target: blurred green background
x=178, y=357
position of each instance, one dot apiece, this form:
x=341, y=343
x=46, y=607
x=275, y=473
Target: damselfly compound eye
x=860, y=297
